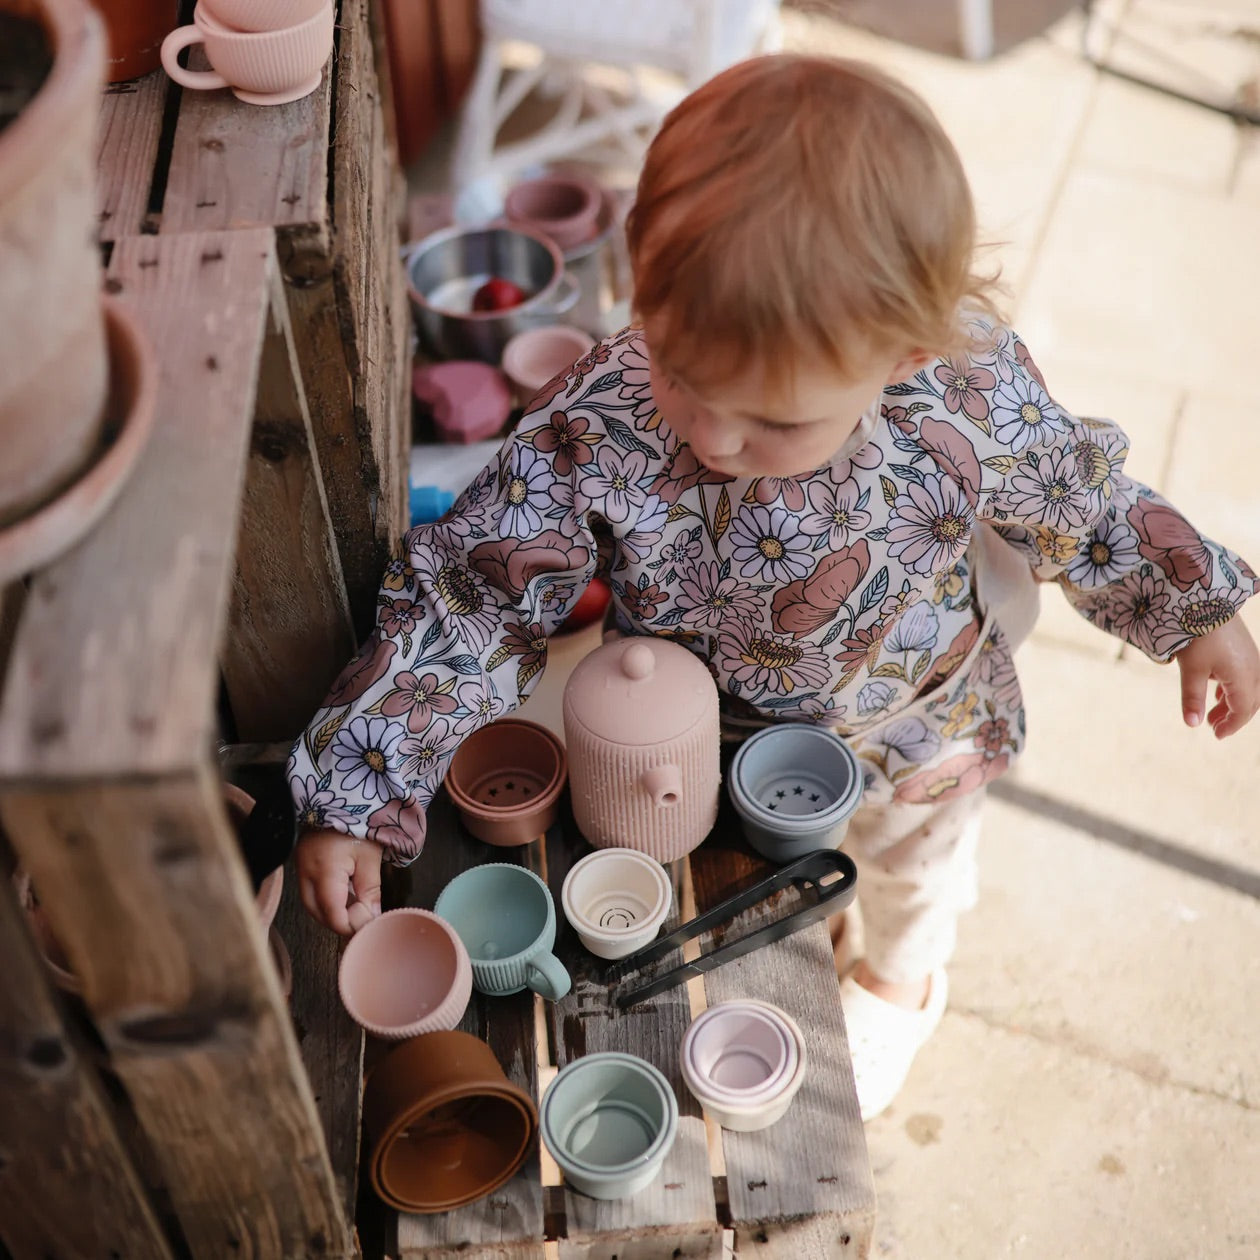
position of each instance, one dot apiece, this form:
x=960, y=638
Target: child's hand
x=339, y=878
x=1228, y=655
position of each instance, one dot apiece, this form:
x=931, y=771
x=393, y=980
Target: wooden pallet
x=801, y=1190
x=178, y=1107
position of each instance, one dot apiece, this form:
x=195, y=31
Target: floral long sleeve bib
x=843, y=596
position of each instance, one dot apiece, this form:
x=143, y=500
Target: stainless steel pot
x=445, y=269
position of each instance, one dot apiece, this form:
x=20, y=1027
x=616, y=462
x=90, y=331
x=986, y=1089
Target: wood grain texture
x=812, y=1166
x=290, y=631
x=126, y=153
x=144, y=888
x=236, y=166
x=67, y=1187
x=330, y=1042
x=508, y=1223
x=115, y=671
x=676, y=1213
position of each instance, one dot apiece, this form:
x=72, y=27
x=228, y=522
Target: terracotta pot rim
x=536, y=804
x=45, y=533
x=76, y=32
x=41, y=930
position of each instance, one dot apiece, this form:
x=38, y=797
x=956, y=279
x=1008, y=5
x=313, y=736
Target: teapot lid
x=639, y=690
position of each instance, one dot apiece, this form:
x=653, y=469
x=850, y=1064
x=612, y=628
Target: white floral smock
x=843, y=596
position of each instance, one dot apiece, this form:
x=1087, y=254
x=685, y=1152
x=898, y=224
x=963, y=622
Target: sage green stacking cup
x=506, y=918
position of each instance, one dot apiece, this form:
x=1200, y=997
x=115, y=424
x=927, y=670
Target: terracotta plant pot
x=444, y=1126
x=51, y=529
x=405, y=973
x=506, y=781
x=136, y=29
x=45, y=939
x=53, y=364
x=239, y=806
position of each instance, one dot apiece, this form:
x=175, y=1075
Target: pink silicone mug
x=261, y=67
x=261, y=15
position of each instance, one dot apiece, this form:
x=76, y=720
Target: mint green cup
x=506, y=918
x=609, y=1120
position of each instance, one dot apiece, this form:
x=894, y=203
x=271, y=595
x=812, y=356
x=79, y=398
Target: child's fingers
x=1236, y=708
x=1194, y=682
x=330, y=892
x=367, y=877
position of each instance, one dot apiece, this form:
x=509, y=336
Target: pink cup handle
x=179, y=39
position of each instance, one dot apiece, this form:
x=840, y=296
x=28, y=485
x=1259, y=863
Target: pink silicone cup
x=405, y=973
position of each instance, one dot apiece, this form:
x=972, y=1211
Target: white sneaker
x=884, y=1038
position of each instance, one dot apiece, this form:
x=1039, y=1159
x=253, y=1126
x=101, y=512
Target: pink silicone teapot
x=641, y=728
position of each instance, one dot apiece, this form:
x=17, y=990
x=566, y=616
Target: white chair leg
x=478, y=120
x=975, y=29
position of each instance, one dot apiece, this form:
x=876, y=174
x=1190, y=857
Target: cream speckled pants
x=916, y=874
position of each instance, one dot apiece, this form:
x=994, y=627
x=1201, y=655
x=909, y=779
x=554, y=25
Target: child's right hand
x=339, y=878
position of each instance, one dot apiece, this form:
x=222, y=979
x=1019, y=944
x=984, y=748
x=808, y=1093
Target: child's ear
x=907, y=367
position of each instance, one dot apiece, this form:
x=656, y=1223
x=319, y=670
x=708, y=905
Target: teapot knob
x=638, y=662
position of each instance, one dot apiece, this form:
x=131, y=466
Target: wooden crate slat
x=813, y=1164
x=509, y=1222
x=330, y=1042
x=67, y=1187
x=115, y=671
x=675, y=1214
x=237, y=166
x=146, y=893
x=129, y=130
x=290, y=632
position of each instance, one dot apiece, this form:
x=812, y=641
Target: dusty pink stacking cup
x=641, y=729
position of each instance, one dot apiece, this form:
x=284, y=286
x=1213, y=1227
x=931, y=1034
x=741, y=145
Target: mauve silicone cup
x=506, y=780
x=442, y=1123
x=563, y=207
x=744, y=1061
x=405, y=973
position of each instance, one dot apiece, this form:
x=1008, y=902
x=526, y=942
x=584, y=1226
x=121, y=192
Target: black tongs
x=818, y=900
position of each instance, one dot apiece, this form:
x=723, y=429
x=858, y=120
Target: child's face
x=741, y=429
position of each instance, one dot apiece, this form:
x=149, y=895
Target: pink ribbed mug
x=641, y=731
x=269, y=67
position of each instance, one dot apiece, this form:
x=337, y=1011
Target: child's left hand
x=1228, y=655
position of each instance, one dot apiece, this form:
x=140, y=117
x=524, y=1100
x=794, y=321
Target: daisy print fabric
x=843, y=596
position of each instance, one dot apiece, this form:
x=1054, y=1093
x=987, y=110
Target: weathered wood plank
x=144, y=888
x=508, y=1223
x=290, y=623
x=126, y=152
x=238, y=166
x=676, y=1214
x=812, y=1166
x=330, y=1042
x=67, y=1187
x=115, y=671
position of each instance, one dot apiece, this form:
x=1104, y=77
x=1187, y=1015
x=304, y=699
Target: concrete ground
x=1094, y=1089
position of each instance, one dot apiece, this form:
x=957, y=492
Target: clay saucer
x=47, y=532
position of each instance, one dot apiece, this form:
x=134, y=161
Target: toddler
x=818, y=460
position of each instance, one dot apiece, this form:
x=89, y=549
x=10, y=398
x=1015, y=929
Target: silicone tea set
x=443, y=1123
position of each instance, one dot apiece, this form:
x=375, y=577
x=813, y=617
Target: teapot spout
x=663, y=784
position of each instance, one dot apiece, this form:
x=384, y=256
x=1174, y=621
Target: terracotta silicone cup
x=534, y=356
x=404, y=973
x=609, y=1120
x=616, y=900
x=506, y=780
x=261, y=67
x=444, y=1126
x=261, y=15
x=795, y=787
x=564, y=207
x=744, y=1061
x=506, y=918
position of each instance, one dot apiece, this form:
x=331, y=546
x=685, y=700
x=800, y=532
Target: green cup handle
x=546, y=975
